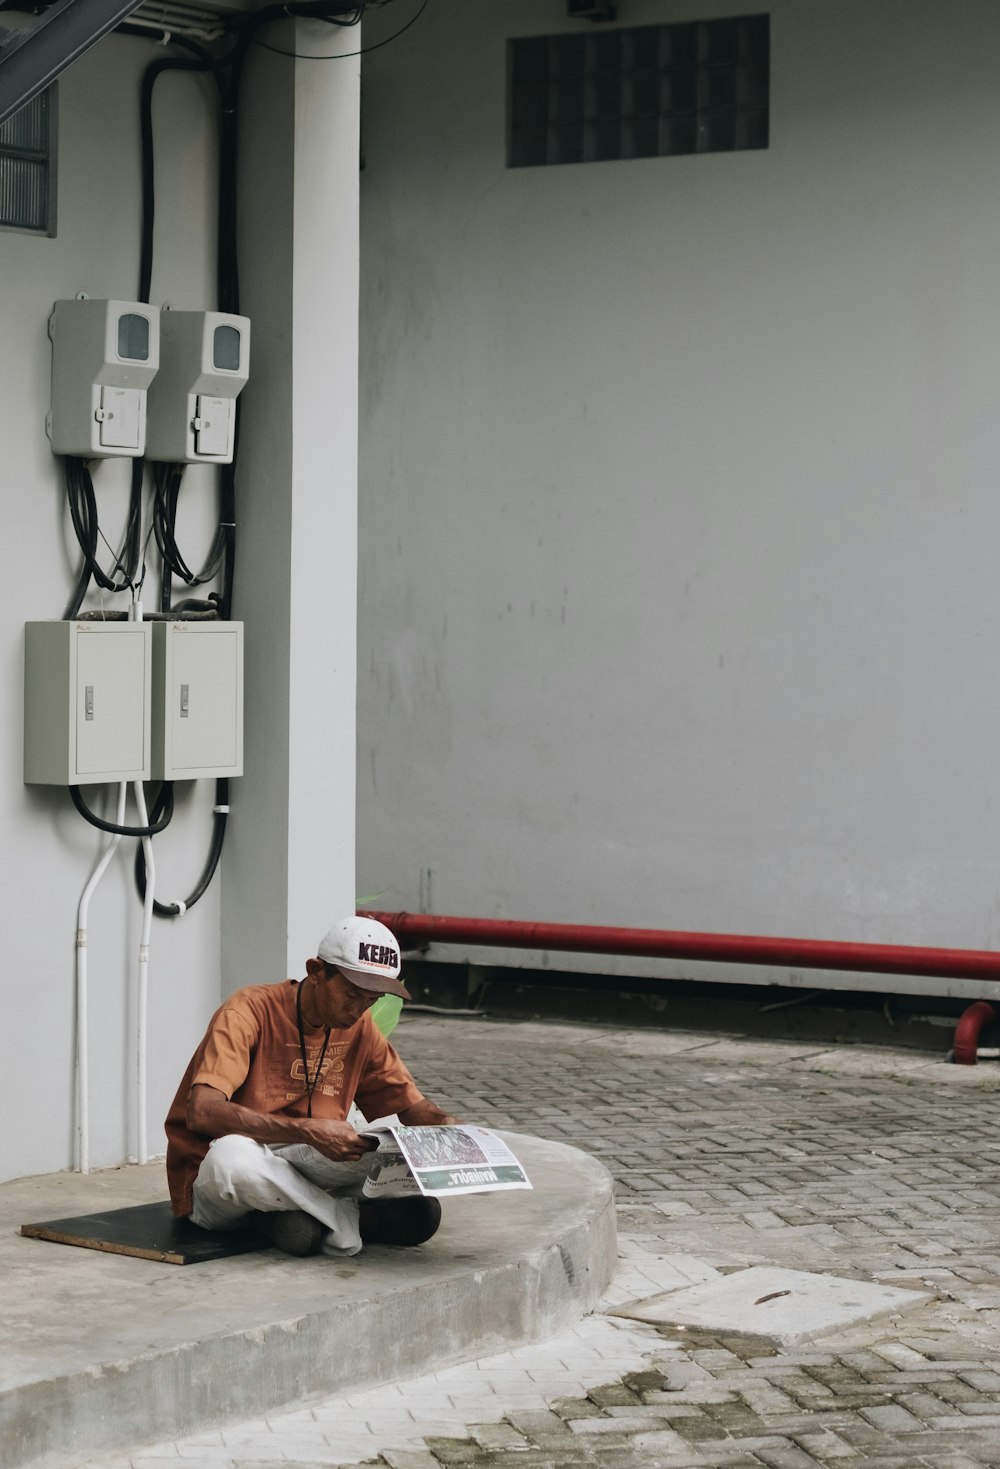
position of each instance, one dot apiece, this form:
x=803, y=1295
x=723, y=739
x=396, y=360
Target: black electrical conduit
x=167, y=812
x=82, y=504
x=221, y=811
x=202, y=62
x=167, y=481
x=227, y=72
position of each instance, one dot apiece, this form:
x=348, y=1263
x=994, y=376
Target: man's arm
x=213, y=1115
x=426, y=1113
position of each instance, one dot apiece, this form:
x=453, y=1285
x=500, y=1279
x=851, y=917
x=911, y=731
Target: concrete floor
x=98, y=1351
x=728, y=1152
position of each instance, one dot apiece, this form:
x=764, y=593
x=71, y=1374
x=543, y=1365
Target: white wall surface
x=305, y=872
x=678, y=505
x=47, y=851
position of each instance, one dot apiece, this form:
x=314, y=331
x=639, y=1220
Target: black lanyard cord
x=310, y=1084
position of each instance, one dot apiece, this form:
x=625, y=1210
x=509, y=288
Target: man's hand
x=336, y=1140
x=210, y=1113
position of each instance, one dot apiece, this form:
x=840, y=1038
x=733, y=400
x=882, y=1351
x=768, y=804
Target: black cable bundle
x=83, y=513
x=167, y=481
x=165, y=799
x=203, y=62
x=158, y=821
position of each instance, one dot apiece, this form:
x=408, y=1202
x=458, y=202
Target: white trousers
x=238, y=1175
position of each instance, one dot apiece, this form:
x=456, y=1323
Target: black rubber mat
x=148, y=1231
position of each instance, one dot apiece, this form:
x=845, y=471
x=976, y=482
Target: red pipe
x=414, y=929
x=970, y=1023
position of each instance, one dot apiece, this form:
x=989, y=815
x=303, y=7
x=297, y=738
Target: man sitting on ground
x=259, y=1122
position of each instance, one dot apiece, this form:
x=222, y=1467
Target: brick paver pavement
x=866, y=1164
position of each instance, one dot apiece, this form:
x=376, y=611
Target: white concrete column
x=289, y=862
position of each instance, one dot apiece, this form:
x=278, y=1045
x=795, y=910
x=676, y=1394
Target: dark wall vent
x=27, y=166
x=642, y=92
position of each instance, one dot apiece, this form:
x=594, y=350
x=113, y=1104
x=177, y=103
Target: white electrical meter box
x=197, y=699
x=204, y=365
x=105, y=354
x=87, y=692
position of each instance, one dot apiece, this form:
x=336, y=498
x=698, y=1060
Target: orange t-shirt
x=251, y=1053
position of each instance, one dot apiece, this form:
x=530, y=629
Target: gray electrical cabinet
x=197, y=700
x=87, y=691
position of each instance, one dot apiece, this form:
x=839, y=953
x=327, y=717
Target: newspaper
x=440, y=1160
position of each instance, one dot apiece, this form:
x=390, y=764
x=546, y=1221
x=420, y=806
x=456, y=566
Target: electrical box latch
x=120, y=418
x=211, y=426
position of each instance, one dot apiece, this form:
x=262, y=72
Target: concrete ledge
x=100, y=1352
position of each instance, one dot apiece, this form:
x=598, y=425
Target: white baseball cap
x=367, y=952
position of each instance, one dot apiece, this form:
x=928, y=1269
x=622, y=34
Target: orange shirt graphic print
x=328, y=1073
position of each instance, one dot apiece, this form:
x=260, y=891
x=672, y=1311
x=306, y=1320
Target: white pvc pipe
x=143, y=982
x=82, y=1071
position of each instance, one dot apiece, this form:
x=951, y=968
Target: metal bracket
x=30, y=60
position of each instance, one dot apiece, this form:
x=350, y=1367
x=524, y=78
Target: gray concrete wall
x=677, y=497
